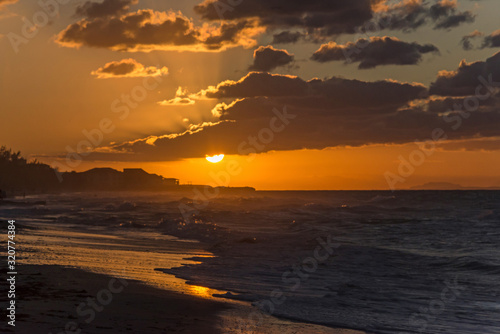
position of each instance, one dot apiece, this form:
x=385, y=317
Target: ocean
x=377, y=261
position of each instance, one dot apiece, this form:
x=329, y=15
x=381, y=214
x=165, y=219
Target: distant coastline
x=19, y=177
x=448, y=186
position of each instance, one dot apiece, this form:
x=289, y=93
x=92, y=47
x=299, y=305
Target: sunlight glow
x=200, y=291
x=215, y=158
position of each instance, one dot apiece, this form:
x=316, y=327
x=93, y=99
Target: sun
x=215, y=158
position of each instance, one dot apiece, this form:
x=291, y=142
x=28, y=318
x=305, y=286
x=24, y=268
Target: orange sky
x=52, y=93
x=336, y=169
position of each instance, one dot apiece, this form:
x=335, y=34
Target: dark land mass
x=19, y=177
x=449, y=186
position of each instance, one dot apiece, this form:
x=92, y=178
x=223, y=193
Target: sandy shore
x=53, y=297
x=48, y=300
x=56, y=300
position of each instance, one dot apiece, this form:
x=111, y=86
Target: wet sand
x=48, y=298
x=54, y=300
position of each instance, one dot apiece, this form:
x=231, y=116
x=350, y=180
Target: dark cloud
x=455, y=20
x=466, y=41
x=267, y=58
x=309, y=127
x=287, y=37
x=465, y=80
x=230, y=33
x=128, y=68
x=106, y=8
x=409, y=15
x=258, y=84
x=336, y=91
x=319, y=19
x=492, y=40
x=445, y=104
x=147, y=30
x=373, y=52
x=331, y=17
x=324, y=113
x=315, y=114
x=119, y=68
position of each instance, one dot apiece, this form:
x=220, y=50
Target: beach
x=274, y=262
x=49, y=298
x=87, y=262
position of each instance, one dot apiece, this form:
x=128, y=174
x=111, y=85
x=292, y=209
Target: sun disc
x=215, y=158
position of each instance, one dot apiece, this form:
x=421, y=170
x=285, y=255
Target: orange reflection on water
x=200, y=291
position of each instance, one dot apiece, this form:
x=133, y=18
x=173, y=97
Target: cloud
x=267, y=58
x=408, y=15
x=257, y=84
x=492, y=40
x=467, y=77
x=455, y=20
x=319, y=19
x=331, y=17
x=440, y=104
x=177, y=101
x=313, y=114
x=466, y=40
x=336, y=91
x=287, y=37
x=128, y=68
x=324, y=113
x=106, y=8
x=373, y=52
x=148, y=30
x=109, y=24
x=181, y=98
x=301, y=126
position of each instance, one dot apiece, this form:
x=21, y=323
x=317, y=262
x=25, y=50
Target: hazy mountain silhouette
x=449, y=186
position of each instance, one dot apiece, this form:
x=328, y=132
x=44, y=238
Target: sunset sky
x=296, y=94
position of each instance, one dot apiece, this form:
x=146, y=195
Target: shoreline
x=53, y=299
x=63, y=265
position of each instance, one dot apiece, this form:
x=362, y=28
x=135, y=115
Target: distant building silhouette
x=112, y=179
x=20, y=177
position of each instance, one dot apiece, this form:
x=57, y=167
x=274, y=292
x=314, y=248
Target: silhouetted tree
x=18, y=175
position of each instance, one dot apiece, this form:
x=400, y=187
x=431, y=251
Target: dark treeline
x=17, y=175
